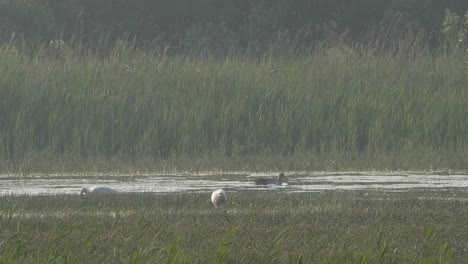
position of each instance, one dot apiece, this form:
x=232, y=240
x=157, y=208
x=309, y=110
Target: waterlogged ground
x=296, y=182
x=319, y=217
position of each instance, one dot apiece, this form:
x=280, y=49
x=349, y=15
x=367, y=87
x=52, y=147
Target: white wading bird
x=219, y=198
x=278, y=181
x=97, y=190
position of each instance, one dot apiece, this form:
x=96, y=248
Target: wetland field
x=320, y=217
x=373, y=142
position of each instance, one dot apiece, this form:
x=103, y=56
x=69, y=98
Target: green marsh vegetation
x=339, y=107
x=393, y=98
x=257, y=227
x=396, y=102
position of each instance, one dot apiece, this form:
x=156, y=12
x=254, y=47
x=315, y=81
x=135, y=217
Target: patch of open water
x=295, y=182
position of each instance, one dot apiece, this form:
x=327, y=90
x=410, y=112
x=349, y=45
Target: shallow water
x=296, y=182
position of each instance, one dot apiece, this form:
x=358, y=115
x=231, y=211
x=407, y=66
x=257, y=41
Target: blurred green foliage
x=218, y=24
x=455, y=30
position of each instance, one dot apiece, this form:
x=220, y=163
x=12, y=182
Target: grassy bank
x=136, y=105
x=257, y=227
x=416, y=161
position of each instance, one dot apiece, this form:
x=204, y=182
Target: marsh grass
x=339, y=104
x=257, y=227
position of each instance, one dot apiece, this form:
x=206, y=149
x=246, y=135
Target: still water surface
x=295, y=182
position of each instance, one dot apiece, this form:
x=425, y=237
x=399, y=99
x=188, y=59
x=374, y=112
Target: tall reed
x=138, y=103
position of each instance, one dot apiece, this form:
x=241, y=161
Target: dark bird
x=278, y=181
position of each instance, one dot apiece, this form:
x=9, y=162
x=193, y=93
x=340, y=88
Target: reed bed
x=256, y=227
x=136, y=104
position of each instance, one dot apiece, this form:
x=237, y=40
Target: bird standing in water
x=278, y=181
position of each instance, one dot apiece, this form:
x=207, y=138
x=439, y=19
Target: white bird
x=278, y=181
x=97, y=190
x=219, y=198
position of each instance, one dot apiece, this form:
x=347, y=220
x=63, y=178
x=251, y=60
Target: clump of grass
x=138, y=104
